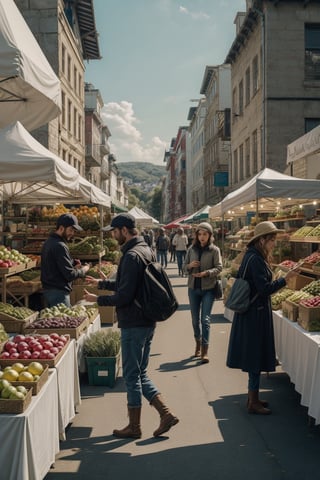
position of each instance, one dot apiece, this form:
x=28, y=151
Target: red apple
x=5, y=355
x=38, y=348
x=25, y=354
x=8, y=345
x=50, y=356
x=44, y=354
x=13, y=350
x=19, y=338
x=15, y=355
x=35, y=354
x=22, y=346
x=47, y=345
x=54, y=350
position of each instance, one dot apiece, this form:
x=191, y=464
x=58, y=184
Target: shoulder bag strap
x=243, y=275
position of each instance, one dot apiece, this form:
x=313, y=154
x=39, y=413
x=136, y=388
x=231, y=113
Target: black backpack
x=158, y=301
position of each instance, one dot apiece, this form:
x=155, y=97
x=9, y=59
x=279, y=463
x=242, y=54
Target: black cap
x=121, y=220
x=68, y=220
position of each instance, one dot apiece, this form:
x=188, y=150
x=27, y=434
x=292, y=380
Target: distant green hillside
x=141, y=174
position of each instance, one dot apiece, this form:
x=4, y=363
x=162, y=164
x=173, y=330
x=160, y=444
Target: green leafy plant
x=103, y=343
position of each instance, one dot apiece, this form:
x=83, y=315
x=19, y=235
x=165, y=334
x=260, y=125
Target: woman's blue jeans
x=135, y=351
x=253, y=381
x=180, y=254
x=201, y=302
x=54, y=296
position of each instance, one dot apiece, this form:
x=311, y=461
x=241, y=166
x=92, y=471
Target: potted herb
x=102, y=352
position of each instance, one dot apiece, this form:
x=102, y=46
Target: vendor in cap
x=58, y=269
x=251, y=343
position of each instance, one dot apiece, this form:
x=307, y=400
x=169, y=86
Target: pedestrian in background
x=137, y=331
x=58, y=268
x=251, y=344
x=162, y=245
x=172, y=248
x=202, y=264
x=180, y=241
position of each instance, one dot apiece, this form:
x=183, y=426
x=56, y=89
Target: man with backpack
x=162, y=245
x=137, y=330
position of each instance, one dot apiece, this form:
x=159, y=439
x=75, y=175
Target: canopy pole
x=222, y=236
x=257, y=209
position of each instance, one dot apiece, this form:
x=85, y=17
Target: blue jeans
x=201, y=302
x=135, y=351
x=181, y=255
x=54, y=296
x=162, y=257
x=253, y=381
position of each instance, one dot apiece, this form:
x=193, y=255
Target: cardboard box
x=290, y=310
x=107, y=314
x=309, y=318
x=298, y=282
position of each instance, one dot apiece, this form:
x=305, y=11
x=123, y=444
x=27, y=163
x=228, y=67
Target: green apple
x=16, y=395
x=22, y=389
x=7, y=391
x=4, y=383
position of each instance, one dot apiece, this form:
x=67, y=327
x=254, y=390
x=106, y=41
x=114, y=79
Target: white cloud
x=194, y=15
x=126, y=141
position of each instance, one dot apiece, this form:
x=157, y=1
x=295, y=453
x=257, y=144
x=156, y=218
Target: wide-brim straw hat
x=264, y=228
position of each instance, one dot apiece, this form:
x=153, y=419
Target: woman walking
x=180, y=242
x=202, y=264
x=251, y=343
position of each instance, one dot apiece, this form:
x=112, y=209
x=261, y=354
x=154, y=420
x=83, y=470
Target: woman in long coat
x=251, y=343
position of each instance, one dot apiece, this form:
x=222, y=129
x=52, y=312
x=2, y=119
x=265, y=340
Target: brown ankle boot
x=167, y=419
x=255, y=406
x=133, y=429
x=204, y=354
x=197, y=352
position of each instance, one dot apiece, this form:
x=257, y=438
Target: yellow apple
x=25, y=377
x=36, y=368
x=11, y=375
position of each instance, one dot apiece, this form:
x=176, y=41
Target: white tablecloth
x=69, y=397
x=93, y=327
x=299, y=354
x=29, y=441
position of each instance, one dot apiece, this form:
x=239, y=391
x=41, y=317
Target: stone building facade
x=275, y=83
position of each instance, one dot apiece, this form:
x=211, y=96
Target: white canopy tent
x=31, y=174
x=29, y=89
x=142, y=218
x=268, y=191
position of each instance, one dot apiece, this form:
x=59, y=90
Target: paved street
x=216, y=438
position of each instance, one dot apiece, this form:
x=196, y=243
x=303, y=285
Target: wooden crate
x=15, y=406
x=26, y=361
x=37, y=385
x=15, y=325
x=24, y=288
x=298, y=282
x=107, y=314
x=72, y=332
x=309, y=318
x=290, y=310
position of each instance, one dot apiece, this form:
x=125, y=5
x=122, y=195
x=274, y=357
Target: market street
x=216, y=437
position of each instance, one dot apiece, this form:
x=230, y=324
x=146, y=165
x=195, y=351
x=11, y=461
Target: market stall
x=29, y=89
x=200, y=215
x=143, y=219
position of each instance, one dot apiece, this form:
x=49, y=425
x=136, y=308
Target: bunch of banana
x=299, y=295
x=20, y=313
x=315, y=232
x=302, y=232
x=279, y=297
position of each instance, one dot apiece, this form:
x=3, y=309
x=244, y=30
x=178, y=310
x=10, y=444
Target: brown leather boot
x=197, y=352
x=264, y=403
x=254, y=405
x=133, y=429
x=204, y=354
x=167, y=419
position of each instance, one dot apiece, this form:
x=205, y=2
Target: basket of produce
x=70, y=321
x=279, y=297
x=46, y=349
x=313, y=288
x=15, y=319
x=32, y=376
x=309, y=314
x=290, y=310
x=14, y=399
x=314, y=234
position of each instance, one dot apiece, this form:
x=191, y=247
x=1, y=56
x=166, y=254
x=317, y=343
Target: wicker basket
x=15, y=406
x=37, y=385
x=15, y=325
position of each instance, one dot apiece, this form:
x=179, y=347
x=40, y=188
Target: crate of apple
x=12, y=260
x=46, y=349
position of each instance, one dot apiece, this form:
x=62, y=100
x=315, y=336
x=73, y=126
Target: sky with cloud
x=154, y=54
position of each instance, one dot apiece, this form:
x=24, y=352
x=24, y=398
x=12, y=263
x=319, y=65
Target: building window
x=235, y=166
x=234, y=103
x=75, y=78
x=69, y=68
x=255, y=152
x=255, y=75
x=63, y=108
x=241, y=98
x=241, y=169
x=63, y=59
x=79, y=127
x=310, y=124
x=75, y=117
x=247, y=85
x=312, y=51
x=69, y=115
x=247, y=157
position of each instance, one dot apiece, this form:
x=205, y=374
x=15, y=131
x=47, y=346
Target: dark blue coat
x=251, y=343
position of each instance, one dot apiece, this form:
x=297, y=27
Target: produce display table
x=30, y=441
x=69, y=397
x=93, y=327
x=299, y=354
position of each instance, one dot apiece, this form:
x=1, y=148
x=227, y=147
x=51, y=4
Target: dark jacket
x=251, y=343
x=127, y=285
x=57, y=265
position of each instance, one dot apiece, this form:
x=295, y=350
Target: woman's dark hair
x=196, y=242
x=257, y=244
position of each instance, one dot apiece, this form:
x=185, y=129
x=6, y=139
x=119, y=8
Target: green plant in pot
x=102, y=352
